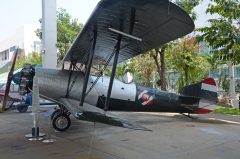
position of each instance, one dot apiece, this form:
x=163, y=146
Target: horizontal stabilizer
x=94, y=114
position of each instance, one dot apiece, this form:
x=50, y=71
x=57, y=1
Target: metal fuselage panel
x=125, y=97
x=53, y=84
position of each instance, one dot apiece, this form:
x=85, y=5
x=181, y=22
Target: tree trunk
x=155, y=57
x=162, y=74
x=161, y=67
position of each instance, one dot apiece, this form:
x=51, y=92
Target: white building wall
x=30, y=38
x=24, y=37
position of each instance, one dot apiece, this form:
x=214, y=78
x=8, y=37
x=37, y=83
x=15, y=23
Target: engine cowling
x=26, y=79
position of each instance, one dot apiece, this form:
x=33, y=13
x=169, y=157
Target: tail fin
x=206, y=91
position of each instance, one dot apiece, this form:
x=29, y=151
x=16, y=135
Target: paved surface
x=173, y=137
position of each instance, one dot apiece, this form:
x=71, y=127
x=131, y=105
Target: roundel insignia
x=145, y=98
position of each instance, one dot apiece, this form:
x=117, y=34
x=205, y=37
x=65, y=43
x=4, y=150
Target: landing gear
x=60, y=119
x=61, y=122
x=55, y=113
x=60, y=111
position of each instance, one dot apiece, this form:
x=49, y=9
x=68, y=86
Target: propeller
x=9, y=80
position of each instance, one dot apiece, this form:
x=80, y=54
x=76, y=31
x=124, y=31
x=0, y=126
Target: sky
x=16, y=13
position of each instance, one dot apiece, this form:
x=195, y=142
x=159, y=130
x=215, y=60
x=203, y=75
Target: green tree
x=188, y=6
x=33, y=58
x=67, y=30
x=183, y=57
x=142, y=67
x=158, y=54
x=121, y=70
x=223, y=34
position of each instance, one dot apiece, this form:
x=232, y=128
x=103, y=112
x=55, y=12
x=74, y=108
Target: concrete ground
x=173, y=136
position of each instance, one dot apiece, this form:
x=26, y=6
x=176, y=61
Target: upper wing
x=156, y=22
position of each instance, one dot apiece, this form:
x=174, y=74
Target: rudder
x=206, y=91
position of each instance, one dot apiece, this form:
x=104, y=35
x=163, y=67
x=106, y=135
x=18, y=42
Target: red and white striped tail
x=209, y=84
x=205, y=106
x=209, y=92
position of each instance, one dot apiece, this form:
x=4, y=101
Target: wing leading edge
x=155, y=22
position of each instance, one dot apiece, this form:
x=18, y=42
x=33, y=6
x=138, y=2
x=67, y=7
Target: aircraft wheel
x=22, y=109
x=61, y=122
x=59, y=111
x=55, y=113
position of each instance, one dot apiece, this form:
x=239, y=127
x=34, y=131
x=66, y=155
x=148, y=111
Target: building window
x=37, y=46
x=13, y=48
x=237, y=71
x=5, y=55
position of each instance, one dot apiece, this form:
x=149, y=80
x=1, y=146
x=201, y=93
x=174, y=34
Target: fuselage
x=53, y=84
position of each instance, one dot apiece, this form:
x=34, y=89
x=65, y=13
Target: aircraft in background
x=13, y=90
x=13, y=97
x=117, y=31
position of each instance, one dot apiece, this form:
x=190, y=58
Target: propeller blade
x=9, y=80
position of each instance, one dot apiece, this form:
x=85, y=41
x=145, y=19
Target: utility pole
x=49, y=34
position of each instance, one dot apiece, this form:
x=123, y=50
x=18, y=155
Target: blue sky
x=15, y=13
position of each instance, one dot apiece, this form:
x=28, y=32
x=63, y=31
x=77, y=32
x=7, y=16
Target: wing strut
x=113, y=72
x=88, y=69
x=72, y=67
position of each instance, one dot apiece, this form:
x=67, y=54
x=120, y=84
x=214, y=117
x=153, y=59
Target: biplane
x=117, y=31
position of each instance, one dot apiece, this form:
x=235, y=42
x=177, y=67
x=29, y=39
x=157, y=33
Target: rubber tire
x=55, y=113
x=55, y=120
x=22, y=109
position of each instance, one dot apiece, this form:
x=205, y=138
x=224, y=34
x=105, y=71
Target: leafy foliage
x=183, y=57
x=158, y=54
x=228, y=9
x=188, y=6
x=121, y=70
x=223, y=33
x=67, y=30
x=142, y=68
x=33, y=58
